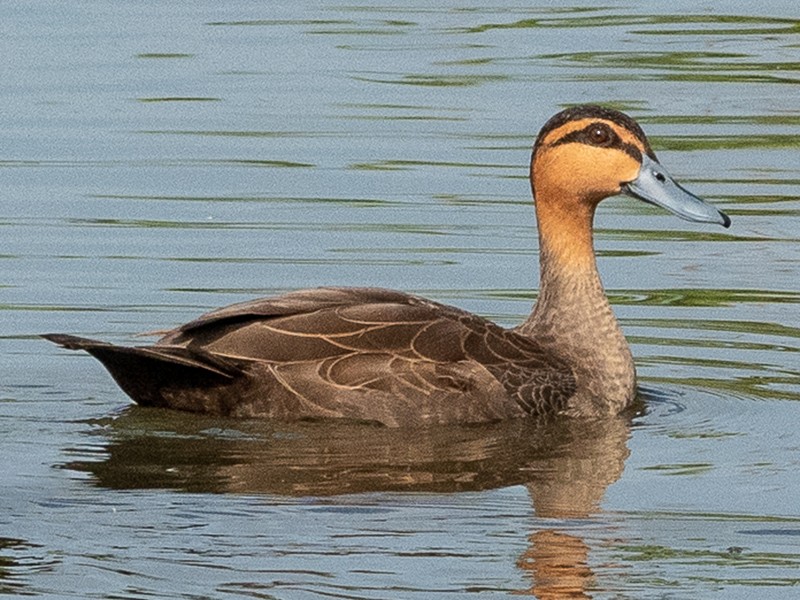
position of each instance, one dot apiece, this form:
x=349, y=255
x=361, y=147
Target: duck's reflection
x=566, y=464
x=571, y=484
x=558, y=565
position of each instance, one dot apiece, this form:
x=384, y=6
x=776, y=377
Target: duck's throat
x=574, y=321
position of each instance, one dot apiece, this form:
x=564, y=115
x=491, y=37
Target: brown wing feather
x=298, y=302
x=380, y=355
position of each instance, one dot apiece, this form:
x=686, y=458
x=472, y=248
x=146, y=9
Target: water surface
x=160, y=160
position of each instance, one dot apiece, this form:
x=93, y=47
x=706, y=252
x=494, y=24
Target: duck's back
x=358, y=353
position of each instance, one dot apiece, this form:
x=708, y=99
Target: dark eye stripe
x=584, y=136
x=588, y=111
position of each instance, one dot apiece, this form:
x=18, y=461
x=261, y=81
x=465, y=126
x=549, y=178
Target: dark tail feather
x=168, y=376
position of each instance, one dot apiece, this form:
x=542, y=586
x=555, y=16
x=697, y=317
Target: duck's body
x=397, y=359
x=356, y=353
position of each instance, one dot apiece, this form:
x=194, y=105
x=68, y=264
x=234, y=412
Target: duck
x=399, y=360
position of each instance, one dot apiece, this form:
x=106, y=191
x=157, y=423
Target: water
x=159, y=160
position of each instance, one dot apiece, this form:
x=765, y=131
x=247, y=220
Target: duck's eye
x=600, y=135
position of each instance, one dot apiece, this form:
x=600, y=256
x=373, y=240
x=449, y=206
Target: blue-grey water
x=158, y=160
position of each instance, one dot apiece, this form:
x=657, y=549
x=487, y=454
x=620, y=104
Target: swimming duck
x=384, y=356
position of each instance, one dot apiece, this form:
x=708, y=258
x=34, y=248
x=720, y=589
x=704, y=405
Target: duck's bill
x=656, y=186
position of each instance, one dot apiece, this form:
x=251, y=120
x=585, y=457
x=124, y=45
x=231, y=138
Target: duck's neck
x=573, y=319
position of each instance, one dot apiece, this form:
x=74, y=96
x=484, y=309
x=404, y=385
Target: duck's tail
x=160, y=375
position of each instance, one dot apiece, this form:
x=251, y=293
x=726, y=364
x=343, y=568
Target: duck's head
x=587, y=153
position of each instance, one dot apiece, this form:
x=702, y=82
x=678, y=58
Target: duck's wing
x=354, y=340
x=297, y=303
